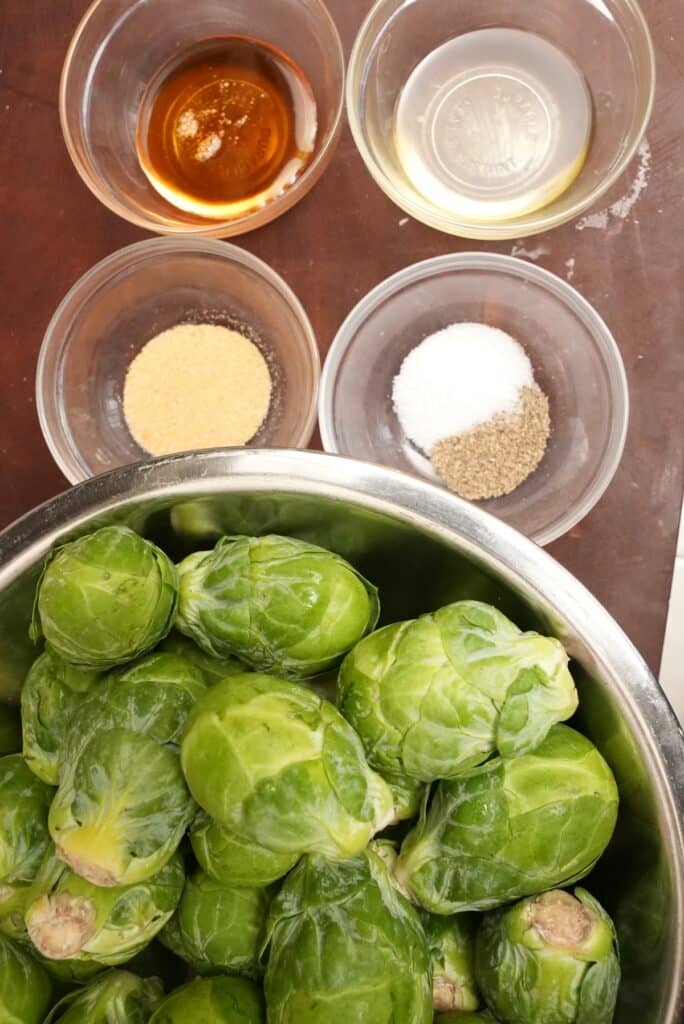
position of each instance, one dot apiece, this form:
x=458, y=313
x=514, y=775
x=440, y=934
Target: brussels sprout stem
x=560, y=920
x=91, y=872
x=59, y=928
x=446, y=995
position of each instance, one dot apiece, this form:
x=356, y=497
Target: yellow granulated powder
x=196, y=386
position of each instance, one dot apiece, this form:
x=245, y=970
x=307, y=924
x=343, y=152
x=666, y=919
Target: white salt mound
x=459, y=378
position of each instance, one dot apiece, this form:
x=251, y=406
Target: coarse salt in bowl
x=574, y=358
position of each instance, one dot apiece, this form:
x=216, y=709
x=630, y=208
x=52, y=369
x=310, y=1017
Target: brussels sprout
x=512, y=828
x=451, y=941
x=407, y=796
x=278, y=604
x=172, y=940
x=105, y=598
x=10, y=730
x=12, y=908
x=214, y=670
x=69, y=918
x=440, y=694
x=221, y=927
x=116, y=998
x=24, y=804
x=68, y=973
x=233, y=860
x=550, y=960
x=346, y=946
x=213, y=1001
x=25, y=988
x=51, y=693
x=281, y=766
x=122, y=806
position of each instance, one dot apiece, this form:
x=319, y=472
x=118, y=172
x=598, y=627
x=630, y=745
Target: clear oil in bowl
x=493, y=125
x=227, y=127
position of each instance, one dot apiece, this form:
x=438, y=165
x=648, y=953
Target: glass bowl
x=116, y=51
x=575, y=359
x=129, y=298
x=608, y=40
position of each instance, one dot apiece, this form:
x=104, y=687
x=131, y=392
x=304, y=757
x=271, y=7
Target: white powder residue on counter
x=459, y=378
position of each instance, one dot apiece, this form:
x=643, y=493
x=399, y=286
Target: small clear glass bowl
x=129, y=298
x=575, y=359
x=116, y=51
x=608, y=40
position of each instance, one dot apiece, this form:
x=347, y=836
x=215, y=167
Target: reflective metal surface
x=423, y=548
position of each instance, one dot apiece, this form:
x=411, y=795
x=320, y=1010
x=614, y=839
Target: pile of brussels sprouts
x=191, y=831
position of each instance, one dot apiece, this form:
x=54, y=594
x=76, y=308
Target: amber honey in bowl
x=227, y=127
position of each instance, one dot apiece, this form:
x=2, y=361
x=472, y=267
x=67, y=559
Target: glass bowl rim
x=220, y=228
x=49, y=405
x=550, y=282
x=533, y=224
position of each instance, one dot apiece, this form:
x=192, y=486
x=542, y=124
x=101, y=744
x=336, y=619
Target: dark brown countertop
x=631, y=269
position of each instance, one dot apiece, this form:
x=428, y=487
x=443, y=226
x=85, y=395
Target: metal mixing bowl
x=423, y=548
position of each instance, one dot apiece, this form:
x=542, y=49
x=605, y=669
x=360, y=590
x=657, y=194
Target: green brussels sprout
x=451, y=941
x=551, y=959
x=10, y=730
x=12, y=908
x=52, y=692
x=435, y=696
x=407, y=796
x=512, y=828
x=279, y=765
x=118, y=997
x=346, y=946
x=24, y=805
x=123, y=806
x=213, y=1001
x=25, y=988
x=105, y=598
x=172, y=940
x=233, y=860
x=278, y=604
x=68, y=973
x=69, y=918
x=214, y=670
x=221, y=927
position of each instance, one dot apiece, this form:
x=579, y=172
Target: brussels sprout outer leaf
x=276, y=603
x=229, y=858
x=51, y=694
x=438, y=695
x=451, y=941
x=118, y=997
x=10, y=730
x=25, y=988
x=121, y=809
x=551, y=959
x=214, y=670
x=223, y=926
x=24, y=804
x=512, y=828
x=106, y=598
x=214, y=1000
x=273, y=761
x=345, y=945
x=69, y=918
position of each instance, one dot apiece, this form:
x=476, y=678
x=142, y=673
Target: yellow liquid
x=493, y=125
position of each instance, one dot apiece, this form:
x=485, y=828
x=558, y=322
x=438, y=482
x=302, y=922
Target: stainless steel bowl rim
x=494, y=262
